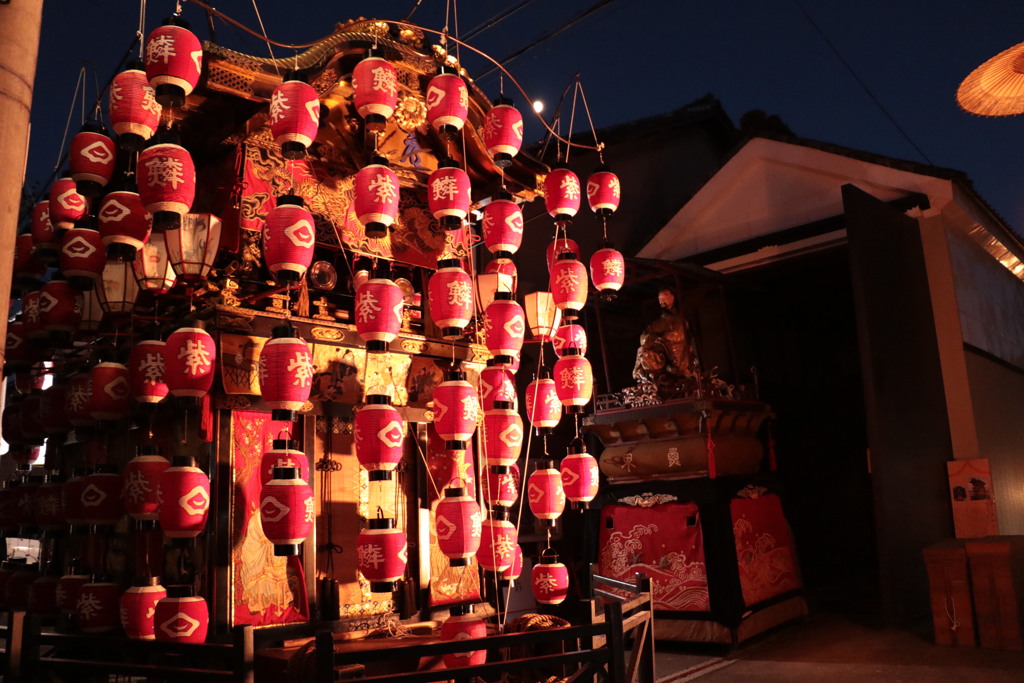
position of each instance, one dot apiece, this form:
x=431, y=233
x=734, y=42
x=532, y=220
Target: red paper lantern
x=603, y=192
x=550, y=579
x=60, y=309
x=380, y=305
x=580, y=475
x=503, y=225
x=17, y=350
x=98, y=607
x=184, y=495
x=52, y=406
x=24, y=501
x=124, y=224
x=375, y=90
x=285, y=453
x=45, y=241
x=515, y=571
x=24, y=455
x=152, y=266
x=543, y=409
x=500, y=488
x=30, y=314
x=33, y=430
x=47, y=505
x=574, y=380
x=607, y=269
x=287, y=511
x=42, y=597
x=142, y=484
x=190, y=362
x=504, y=266
x=379, y=436
x=167, y=183
x=286, y=373
x=294, y=117
x=560, y=246
x=503, y=132
x=31, y=379
x=111, y=396
x=568, y=284
x=71, y=497
x=450, y=296
x=69, y=587
x=497, y=383
x=174, y=60
x=569, y=337
x=101, y=497
x=83, y=257
x=146, y=366
x=456, y=408
x=18, y=586
x=27, y=267
x=288, y=239
x=91, y=159
x=67, y=206
x=498, y=541
x=375, y=197
x=381, y=554
x=457, y=521
x=448, y=195
x=544, y=491
x=76, y=405
x=138, y=609
x=134, y=111
x=181, y=616
x=504, y=327
x=562, y=193
x=8, y=518
x=503, y=435
x=447, y=102
x=462, y=624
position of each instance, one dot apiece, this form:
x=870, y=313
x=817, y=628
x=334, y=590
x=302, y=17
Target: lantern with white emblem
x=134, y=111
x=375, y=90
x=456, y=407
x=569, y=337
x=603, y=192
x=71, y=496
x=288, y=239
x=91, y=159
x=562, y=193
x=83, y=256
x=579, y=472
x=190, y=362
x=504, y=327
x=167, y=183
x=98, y=607
x=574, y=380
x=450, y=296
x=181, y=617
x=568, y=284
x=174, y=60
x=550, y=579
x=284, y=453
x=503, y=132
x=152, y=266
x=124, y=225
x=448, y=195
x=607, y=269
x=67, y=205
x=503, y=436
x=100, y=497
x=503, y=225
x=286, y=373
x=497, y=383
x=379, y=306
x=379, y=432
x=60, y=310
x=447, y=102
x=294, y=117
x=375, y=197
x=17, y=350
x=462, y=624
x=544, y=491
x=457, y=521
x=287, y=509
x=138, y=608
x=45, y=242
x=110, y=399
x=381, y=554
x=498, y=541
x=543, y=409
x=142, y=481
x=184, y=499
x=500, y=488
x=147, y=363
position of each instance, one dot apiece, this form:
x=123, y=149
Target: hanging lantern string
x=79, y=83
x=557, y=114
x=572, y=114
x=598, y=145
x=140, y=34
x=270, y=48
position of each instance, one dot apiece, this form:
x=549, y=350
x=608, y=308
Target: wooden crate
x=950, y=590
x=997, y=583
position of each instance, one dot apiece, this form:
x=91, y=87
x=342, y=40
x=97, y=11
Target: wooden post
x=616, y=642
x=245, y=654
x=325, y=657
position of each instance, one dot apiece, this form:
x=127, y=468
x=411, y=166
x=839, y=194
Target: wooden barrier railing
x=637, y=615
x=12, y=636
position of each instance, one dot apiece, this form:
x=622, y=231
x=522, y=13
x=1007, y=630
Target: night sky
x=639, y=58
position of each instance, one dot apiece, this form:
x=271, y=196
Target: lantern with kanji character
x=284, y=453
x=76, y=404
x=147, y=363
x=447, y=102
x=52, y=406
x=67, y=205
x=152, y=266
x=603, y=192
x=111, y=397
x=142, y=482
x=497, y=383
x=91, y=159
x=184, y=499
x=190, y=362
x=579, y=472
x=33, y=328
x=543, y=409
x=174, y=60
x=181, y=617
x=60, y=310
x=294, y=117
x=47, y=505
x=124, y=224
x=498, y=540
x=167, y=183
x=456, y=407
x=561, y=193
x=574, y=380
x=503, y=225
x=450, y=295
x=544, y=492
x=287, y=511
x=448, y=195
x=457, y=521
x=569, y=337
x=381, y=554
x=83, y=256
x=515, y=571
x=503, y=435
x=138, y=609
x=288, y=239
x=375, y=193
x=98, y=607
x=607, y=269
x=24, y=500
x=568, y=284
x=379, y=307
x=134, y=111
x=504, y=327
x=379, y=432
x=45, y=240
x=69, y=587
x=550, y=579
x=42, y=597
x=503, y=132
x=101, y=497
x=375, y=90
x=286, y=373
x=500, y=488
x=462, y=624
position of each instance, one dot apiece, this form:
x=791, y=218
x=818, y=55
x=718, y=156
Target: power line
x=494, y=21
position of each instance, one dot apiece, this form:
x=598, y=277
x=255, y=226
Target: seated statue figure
x=666, y=357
